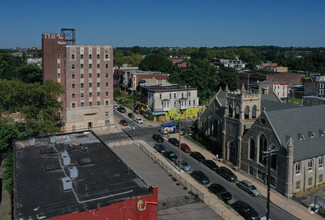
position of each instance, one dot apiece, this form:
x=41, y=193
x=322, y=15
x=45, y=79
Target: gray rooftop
x=305, y=125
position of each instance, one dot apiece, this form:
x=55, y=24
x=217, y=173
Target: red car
x=124, y=122
x=186, y=148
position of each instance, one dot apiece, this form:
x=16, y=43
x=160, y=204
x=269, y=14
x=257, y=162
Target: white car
x=138, y=120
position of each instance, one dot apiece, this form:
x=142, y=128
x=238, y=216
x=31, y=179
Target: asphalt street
x=145, y=133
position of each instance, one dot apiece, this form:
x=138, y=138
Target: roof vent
x=322, y=133
x=301, y=137
x=65, y=158
x=52, y=139
x=66, y=183
x=312, y=135
x=73, y=172
x=32, y=142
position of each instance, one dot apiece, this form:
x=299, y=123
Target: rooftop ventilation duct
x=66, y=183
x=65, y=158
x=73, y=172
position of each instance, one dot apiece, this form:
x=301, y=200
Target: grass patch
x=195, y=141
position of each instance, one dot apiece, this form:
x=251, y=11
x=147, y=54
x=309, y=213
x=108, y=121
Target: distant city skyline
x=166, y=23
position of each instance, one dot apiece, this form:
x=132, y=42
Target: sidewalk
x=288, y=205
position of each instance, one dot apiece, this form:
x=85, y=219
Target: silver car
x=249, y=187
x=185, y=166
x=138, y=120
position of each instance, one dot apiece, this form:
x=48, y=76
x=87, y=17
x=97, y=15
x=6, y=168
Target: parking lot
x=167, y=188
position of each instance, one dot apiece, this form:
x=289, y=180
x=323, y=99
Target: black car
x=220, y=191
x=158, y=138
x=121, y=109
x=245, y=210
x=173, y=141
x=212, y=165
x=227, y=174
x=160, y=148
x=170, y=155
x=197, y=156
x=200, y=177
x=130, y=115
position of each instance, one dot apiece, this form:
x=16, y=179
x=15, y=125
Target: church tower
x=241, y=111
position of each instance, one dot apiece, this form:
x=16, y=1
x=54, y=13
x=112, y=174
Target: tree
x=156, y=62
x=135, y=59
x=230, y=77
x=118, y=58
x=29, y=73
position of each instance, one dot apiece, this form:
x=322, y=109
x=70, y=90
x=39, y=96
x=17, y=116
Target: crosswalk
x=129, y=122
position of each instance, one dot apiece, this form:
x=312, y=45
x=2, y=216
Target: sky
x=170, y=23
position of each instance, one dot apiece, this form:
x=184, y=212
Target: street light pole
x=179, y=146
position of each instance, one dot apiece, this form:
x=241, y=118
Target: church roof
x=306, y=127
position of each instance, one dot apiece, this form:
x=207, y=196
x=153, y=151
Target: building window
x=81, y=56
x=73, y=95
x=98, y=75
x=160, y=96
x=320, y=178
x=81, y=66
x=106, y=84
x=246, y=112
x=310, y=181
x=98, y=102
x=298, y=185
x=254, y=111
x=90, y=66
x=106, y=75
x=193, y=102
x=82, y=104
x=175, y=104
x=106, y=122
x=273, y=161
x=237, y=111
x=106, y=102
x=82, y=85
x=230, y=109
x=189, y=94
x=320, y=162
x=58, y=66
x=252, y=149
x=170, y=95
x=98, y=65
x=90, y=85
x=73, y=105
x=59, y=56
x=90, y=56
x=82, y=95
x=73, y=76
x=263, y=147
x=106, y=56
x=298, y=168
x=90, y=75
x=174, y=95
x=73, y=85
x=90, y=104
x=59, y=75
x=98, y=93
x=73, y=66
x=189, y=102
x=310, y=165
x=106, y=93
x=182, y=95
x=81, y=75
x=90, y=94
x=72, y=56
x=261, y=175
x=98, y=84
x=106, y=113
x=98, y=56
x=106, y=65
x=251, y=170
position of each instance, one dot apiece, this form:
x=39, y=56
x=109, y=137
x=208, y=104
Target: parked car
x=245, y=210
x=130, y=115
x=249, y=187
x=197, y=156
x=124, y=122
x=158, y=138
x=138, y=120
x=160, y=148
x=220, y=191
x=185, y=148
x=212, y=165
x=121, y=109
x=185, y=166
x=115, y=107
x=200, y=177
x=227, y=174
x=170, y=155
x=173, y=141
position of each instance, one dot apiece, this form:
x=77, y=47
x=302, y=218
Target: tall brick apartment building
x=86, y=73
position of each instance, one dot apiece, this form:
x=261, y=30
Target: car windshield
x=172, y=155
x=184, y=163
x=252, y=187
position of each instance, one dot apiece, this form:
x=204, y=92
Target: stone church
x=241, y=126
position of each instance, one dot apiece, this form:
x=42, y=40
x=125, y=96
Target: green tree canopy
x=156, y=62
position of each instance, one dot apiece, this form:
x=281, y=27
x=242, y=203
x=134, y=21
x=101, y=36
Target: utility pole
x=179, y=146
x=268, y=154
